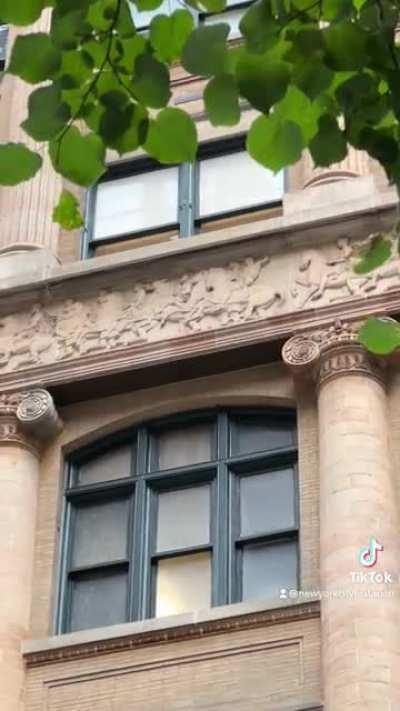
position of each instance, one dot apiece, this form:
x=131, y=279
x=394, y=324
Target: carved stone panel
x=206, y=300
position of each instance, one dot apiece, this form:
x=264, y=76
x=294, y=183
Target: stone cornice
x=65, y=652
x=330, y=353
x=180, y=254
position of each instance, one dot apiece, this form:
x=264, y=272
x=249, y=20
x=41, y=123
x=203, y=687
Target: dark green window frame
x=188, y=221
x=141, y=488
x=3, y=45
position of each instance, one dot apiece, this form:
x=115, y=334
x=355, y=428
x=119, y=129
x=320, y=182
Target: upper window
x=3, y=45
x=141, y=198
x=180, y=515
x=232, y=14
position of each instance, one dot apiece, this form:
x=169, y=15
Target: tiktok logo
x=368, y=556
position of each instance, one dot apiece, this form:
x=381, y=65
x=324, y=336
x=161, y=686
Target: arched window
x=180, y=514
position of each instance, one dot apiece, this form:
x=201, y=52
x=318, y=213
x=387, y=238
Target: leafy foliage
x=321, y=75
x=67, y=213
x=17, y=163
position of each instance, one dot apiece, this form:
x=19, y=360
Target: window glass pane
x=267, y=502
x=183, y=518
x=3, y=44
x=232, y=17
x=100, y=532
x=255, y=434
x=98, y=599
x=233, y=181
x=180, y=446
x=267, y=569
x=183, y=584
x=126, y=205
x=113, y=464
x=142, y=19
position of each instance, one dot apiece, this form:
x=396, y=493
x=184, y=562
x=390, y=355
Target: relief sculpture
x=149, y=311
x=198, y=301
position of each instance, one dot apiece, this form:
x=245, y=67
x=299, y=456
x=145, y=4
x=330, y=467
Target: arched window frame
x=224, y=474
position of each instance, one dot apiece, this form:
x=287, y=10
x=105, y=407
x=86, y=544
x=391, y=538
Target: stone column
x=28, y=235
x=360, y=631
x=26, y=420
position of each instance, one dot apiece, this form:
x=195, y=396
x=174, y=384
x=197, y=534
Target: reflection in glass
x=183, y=518
x=267, y=569
x=184, y=445
x=126, y=205
x=113, y=464
x=183, y=584
x=98, y=599
x=267, y=502
x=233, y=181
x=253, y=434
x=100, y=533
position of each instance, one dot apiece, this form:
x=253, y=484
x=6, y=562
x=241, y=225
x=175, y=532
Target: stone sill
x=197, y=251
x=202, y=623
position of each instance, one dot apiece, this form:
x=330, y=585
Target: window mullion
x=137, y=531
x=187, y=198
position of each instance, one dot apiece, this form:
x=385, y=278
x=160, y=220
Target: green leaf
x=69, y=24
x=212, y=5
x=345, y=46
x=168, y=35
x=78, y=158
x=334, y=10
x=380, y=335
x=136, y=132
x=296, y=107
x=67, y=213
x=329, y=145
x=312, y=77
x=378, y=253
x=172, y=137
x=143, y=5
x=259, y=27
x=75, y=70
x=20, y=12
x=34, y=58
x=205, y=52
x=151, y=82
x=123, y=128
x=273, y=142
x=17, y=163
x=261, y=81
x=221, y=98
x=47, y=114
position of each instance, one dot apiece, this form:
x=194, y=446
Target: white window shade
x=143, y=18
x=139, y=202
x=235, y=181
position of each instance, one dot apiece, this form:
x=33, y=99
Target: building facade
x=199, y=496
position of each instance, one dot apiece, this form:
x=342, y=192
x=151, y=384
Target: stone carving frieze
x=198, y=301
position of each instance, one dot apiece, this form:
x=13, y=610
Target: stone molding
x=181, y=633
x=27, y=418
x=324, y=355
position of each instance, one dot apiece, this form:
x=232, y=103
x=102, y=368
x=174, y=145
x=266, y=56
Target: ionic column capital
x=28, y=418
x=324, y=355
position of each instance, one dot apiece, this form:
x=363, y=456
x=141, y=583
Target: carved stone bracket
x=28, y=418
x=324, y=355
